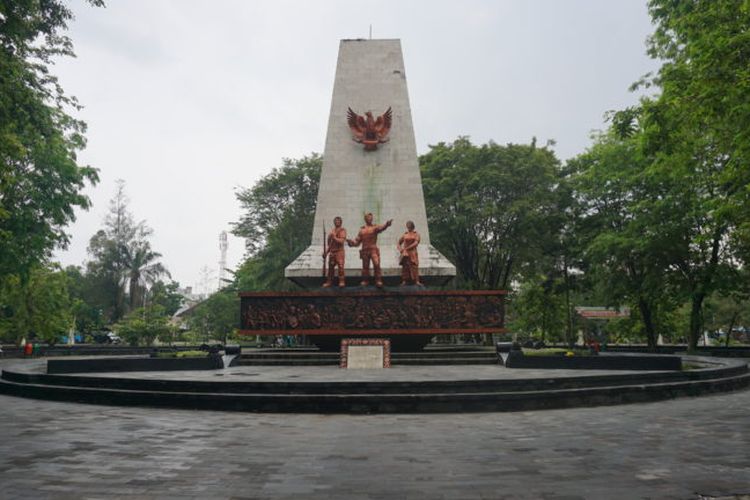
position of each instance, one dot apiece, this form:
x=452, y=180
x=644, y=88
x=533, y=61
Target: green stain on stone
x=373, y=200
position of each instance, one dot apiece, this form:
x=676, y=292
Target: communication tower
x=223, y=261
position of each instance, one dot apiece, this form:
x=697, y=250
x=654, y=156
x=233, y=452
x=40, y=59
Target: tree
x=142, y=269
x=39, y=309
x=728, y=311
x=491, y=208
x=86, y=297
x=696, y=134
x=41, y=181
x=122, y=260
x=217, y=316
x=166, y=295
x=619, y=232
x=108, y=249
x=144, y=325
x=539, y=308
x=664, y=190
x=277, y=222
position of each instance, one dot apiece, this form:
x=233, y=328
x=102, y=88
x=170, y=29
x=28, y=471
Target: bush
x=181, y=354
x=555, y=351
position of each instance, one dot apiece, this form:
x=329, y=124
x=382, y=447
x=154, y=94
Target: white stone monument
x=370, y=76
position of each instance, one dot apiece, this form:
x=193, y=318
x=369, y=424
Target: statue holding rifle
x=333, y=248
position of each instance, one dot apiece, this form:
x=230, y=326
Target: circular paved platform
x=330, y=374
x=676, y=449
x=406, y=389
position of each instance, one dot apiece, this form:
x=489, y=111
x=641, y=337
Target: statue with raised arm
x=409, y=258
x=334, y=250
x=368, y=238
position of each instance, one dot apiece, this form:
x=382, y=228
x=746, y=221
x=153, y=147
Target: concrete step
x=442, y=353
x=286, y=362
x=431, y=356
x=291, y=356
x=411, y=400
x=394, y=362
x=444, y=361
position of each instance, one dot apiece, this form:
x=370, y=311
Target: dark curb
x=450, y=396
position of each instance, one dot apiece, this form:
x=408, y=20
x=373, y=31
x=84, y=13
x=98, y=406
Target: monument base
x=306, y=270
x=408, y=316
x=399, y=343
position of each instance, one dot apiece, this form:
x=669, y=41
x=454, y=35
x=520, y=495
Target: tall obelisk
x=370, y=76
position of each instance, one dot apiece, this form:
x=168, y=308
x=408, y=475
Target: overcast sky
x=189, y=100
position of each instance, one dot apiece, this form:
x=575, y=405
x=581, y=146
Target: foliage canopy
x=41, y=181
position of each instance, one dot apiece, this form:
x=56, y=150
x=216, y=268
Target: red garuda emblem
x=368, y=130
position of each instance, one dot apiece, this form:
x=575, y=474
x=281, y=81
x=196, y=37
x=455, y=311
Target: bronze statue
x=409, y=260
x=335, y=252
x=368, y=130
x=368, y=237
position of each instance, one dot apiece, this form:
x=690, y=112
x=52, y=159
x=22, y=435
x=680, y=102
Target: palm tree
x=142, y=269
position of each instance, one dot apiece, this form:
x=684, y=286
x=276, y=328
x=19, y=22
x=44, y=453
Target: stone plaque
x=365, y=356
x=365, y=353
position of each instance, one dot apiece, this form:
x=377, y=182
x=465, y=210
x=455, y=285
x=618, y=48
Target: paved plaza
x=330, y=373
x=674, y=449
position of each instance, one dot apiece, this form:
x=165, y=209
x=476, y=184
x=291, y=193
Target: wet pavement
x=674, y=449
x=332, y=373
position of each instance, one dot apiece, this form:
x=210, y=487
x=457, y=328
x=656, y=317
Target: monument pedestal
x=434, y=269
x=407, y=316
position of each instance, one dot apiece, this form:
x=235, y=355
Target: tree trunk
x=696, y=321
x=134, y=291
x=704, y=286
x=731, y=326
x=648, y=322
x=119, y=310
x=568, y=315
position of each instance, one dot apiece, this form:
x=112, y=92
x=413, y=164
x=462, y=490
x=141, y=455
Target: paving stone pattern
x=328, y=373
x=674, y=449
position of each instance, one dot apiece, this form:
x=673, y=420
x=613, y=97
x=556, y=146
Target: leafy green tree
x=694, y=240
x=122, y=261
x=664, y=190
x=558, y=269
x=696, y=136
x=41, y=181
x=85, y=295
x=538, y=309
x=218, y=316
x=701, y=117
x=108, y=249
x=166, y=295
x=726, y=312
x=39, y=309
x=144, y=325
x=491, y=208
x=277, y=222
x=619, y=236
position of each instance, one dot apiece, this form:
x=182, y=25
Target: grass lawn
x=182, y=354
x=555, y=351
